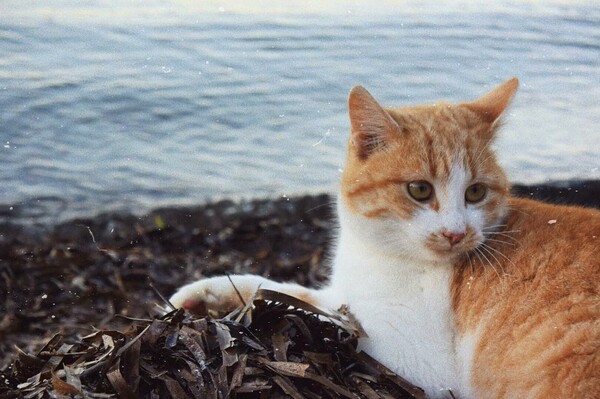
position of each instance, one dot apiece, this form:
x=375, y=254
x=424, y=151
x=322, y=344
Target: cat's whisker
x=498, y=227
x=494, y=234
x=503, y=232
x=494, y=226
x=476, y=252
x=500, y=235
x=488, y=249
x=501, y=241
x=488, y=261
x=468, y=256
x=499, y=253
x=481, y=248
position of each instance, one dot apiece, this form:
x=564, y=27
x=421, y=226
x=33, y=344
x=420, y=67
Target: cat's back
x=570, y=230
x=531, y=304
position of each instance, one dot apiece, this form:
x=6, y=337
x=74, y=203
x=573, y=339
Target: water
x=111, y=106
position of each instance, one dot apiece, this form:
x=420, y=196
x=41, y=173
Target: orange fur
x=539, y=311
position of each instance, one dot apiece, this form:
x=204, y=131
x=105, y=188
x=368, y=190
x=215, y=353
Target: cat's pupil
x=420, y=190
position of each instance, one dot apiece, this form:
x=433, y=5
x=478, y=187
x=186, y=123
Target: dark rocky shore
x=75, y=277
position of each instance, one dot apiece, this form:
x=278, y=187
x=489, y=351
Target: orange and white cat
x=459, y=286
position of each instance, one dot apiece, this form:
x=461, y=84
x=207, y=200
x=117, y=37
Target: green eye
x=420, y=190
x=475, y=193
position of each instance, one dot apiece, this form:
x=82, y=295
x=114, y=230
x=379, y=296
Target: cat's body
x=538, y=325
x=457, y=285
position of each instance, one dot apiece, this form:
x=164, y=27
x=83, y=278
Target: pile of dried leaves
x=77, y=275
x=277, y=346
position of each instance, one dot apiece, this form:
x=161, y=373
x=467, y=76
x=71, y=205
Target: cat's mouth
x=441, y=246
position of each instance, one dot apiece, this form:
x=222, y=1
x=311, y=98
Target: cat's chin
x=448, y=254
x=444, y=257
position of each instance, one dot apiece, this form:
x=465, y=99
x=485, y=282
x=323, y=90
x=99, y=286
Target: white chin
x=444, y=255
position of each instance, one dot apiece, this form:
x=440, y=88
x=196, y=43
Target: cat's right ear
x=491, y=105
x=371, y=127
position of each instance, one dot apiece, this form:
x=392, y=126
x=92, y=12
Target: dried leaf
x=171, y=339
x=288, y=387
x=118, y=382
x=280, y=344
x=330, y=385
x=269, y=295
x=298, y=322
x=238, y=373
x=175, y=390
x=157, y=327
x=64, y=388
x=54, y=361
x=290, y=369
x=192, y=340
x=320, y=358
x=414, y=391
x=365, y=389
x=223, y=336
x=131, y=362
x=26, y=365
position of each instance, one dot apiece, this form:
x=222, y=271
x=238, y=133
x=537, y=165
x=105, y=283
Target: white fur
x=403, y=304
x=465, y=347
x=397, y=288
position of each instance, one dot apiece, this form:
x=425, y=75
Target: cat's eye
x=475, y=193
x=420, y=190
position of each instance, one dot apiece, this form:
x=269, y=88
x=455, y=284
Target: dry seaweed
x=278, y=347
x=67, y=278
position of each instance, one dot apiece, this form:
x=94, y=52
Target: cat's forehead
x=436, y=138
x=439, y=119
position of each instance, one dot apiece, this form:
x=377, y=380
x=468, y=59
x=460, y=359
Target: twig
x=165, y=300
x=236, y=290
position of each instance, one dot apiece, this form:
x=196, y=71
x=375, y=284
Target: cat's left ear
x=372, y=128
x=490, y=106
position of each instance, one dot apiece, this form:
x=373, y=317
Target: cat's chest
x=407, y=316
x=414, y=313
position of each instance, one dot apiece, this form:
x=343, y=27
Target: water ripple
x=97, y=113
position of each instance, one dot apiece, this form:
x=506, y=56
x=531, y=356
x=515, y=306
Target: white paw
x=213, y=294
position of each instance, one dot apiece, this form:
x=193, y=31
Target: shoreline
x=577, y=192
x=78, y=274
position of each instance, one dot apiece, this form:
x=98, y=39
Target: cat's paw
x=215, y=295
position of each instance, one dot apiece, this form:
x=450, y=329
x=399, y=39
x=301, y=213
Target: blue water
x=111, y=106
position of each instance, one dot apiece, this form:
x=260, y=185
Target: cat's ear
x=371, y=126
x=490, y=106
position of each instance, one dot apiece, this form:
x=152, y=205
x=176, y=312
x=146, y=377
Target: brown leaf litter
x=277, y=346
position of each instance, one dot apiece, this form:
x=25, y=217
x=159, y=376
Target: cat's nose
x=453, y=237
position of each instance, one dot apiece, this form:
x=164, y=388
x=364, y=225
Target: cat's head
x=422, y=181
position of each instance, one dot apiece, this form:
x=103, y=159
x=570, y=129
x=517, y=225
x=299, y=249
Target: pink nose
x=453, y=237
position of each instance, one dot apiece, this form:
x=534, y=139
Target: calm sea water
x=108, y=105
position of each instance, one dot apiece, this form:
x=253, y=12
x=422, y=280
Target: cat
x=461, y=289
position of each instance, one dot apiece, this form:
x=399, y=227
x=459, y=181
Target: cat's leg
x=219, y=293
